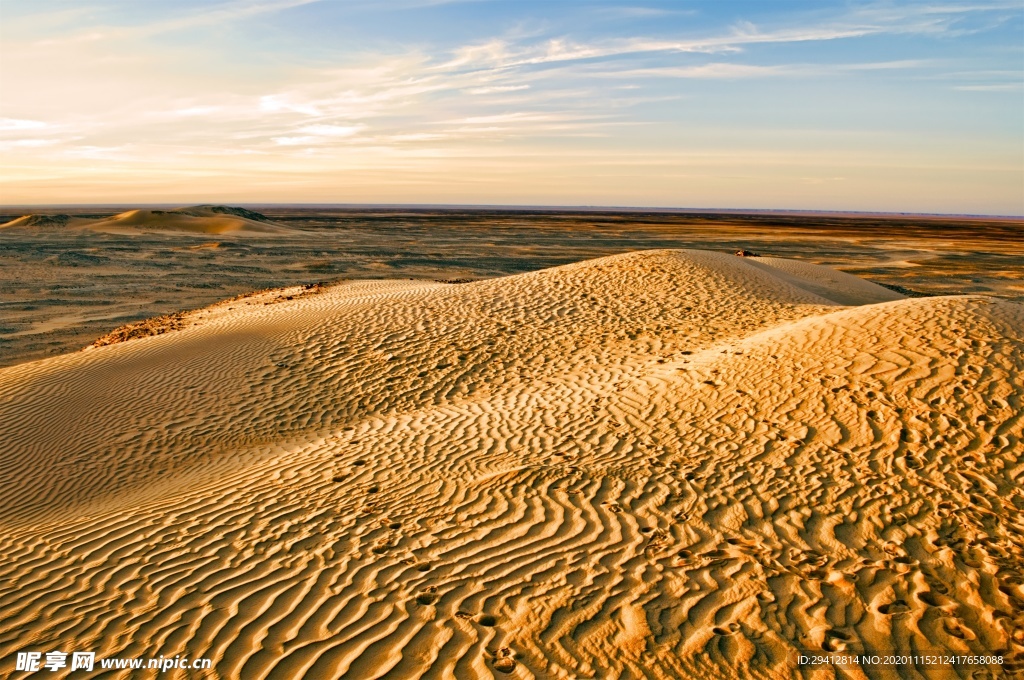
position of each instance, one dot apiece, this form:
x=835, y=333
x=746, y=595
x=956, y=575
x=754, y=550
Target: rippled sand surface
x=662, y=464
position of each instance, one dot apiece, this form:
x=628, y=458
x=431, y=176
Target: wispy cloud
x=494, y=89
x=520, y=117
x=296, y=141
x=632, y=12
x=991, y=87
x=10, y=124
x=28, y=142
x=871, y=20
x=197, y=111
x=332, y=130
x=896, y=64
x=278, y=103
x=714, y=70
x=213, y=15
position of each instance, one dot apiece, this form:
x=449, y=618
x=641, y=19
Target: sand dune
x=43, y=221
x=661, y=464
x=204, y=219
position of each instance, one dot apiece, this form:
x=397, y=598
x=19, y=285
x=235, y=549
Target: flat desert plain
x=667, y=463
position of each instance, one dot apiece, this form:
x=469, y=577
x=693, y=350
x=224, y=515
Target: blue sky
x=892, y=106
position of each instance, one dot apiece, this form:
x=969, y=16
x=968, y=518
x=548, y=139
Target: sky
x=817, y=105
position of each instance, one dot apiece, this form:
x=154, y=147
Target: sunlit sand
x=671, y=463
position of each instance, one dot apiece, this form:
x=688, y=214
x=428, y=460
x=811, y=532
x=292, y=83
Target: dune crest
x=659, y=464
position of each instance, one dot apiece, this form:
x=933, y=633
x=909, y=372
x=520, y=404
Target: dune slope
x=661, y=464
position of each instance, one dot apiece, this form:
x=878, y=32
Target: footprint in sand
x=428, y=596
x=955, y=628
x=503, y=661
x=729, y=629
x=835, y=641
x=685, y=557
x=894, y=608
x=932, y=599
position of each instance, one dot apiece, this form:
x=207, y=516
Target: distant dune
x=203, y=219
x=664, y=464
x=40, y=221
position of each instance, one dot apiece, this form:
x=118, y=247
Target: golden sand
x=664, y=464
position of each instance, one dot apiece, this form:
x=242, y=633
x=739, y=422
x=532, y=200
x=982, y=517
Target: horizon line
x=520, y=208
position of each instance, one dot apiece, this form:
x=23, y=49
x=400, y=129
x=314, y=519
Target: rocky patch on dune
x=157, y=325
x=165, y=323
x=209, y=210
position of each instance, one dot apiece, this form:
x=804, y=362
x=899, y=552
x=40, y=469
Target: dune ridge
x=659, y=464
